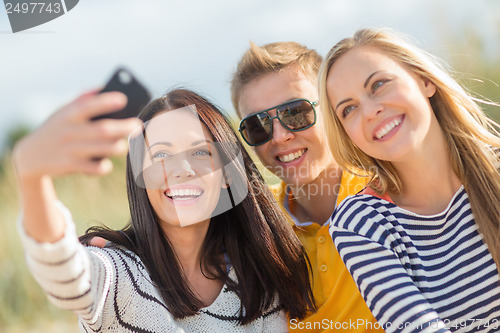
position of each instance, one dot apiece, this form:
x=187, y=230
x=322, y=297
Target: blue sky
x=197, y=43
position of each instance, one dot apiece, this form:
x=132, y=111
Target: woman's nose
x=184, y=168
x=371, y=109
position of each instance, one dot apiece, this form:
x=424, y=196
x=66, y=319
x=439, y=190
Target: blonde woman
x=421, y=241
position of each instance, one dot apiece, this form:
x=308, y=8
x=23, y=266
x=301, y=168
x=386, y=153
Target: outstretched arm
x=66, y=143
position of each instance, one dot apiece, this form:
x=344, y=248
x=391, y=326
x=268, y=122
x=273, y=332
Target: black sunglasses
x=295, y=115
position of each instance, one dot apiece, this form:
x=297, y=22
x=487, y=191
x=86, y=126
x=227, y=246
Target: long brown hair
x=266, y=255
x=471, y=136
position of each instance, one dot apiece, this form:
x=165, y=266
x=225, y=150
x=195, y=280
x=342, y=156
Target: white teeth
x=387, y=128
x=292, y=156
x=183, y=194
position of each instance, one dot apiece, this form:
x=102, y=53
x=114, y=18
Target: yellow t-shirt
x=341, y=308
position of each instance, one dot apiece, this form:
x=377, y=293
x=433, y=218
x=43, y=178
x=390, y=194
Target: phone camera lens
x=125, y=77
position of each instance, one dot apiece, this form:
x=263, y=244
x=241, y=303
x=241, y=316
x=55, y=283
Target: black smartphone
x=138, y=96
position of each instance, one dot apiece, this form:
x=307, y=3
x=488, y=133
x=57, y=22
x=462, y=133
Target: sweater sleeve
x=377, y=262
x=72, y=277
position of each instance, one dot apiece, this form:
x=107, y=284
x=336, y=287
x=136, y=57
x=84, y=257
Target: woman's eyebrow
x=342, y=102
x=364, y=86
x=368, y=79
x=201, y=141
x=168, y=144
x=164, y=143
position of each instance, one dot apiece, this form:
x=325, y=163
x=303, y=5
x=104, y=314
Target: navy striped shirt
x=419, y=273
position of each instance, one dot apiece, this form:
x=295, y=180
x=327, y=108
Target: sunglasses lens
x=297, y=115
x=256, y=129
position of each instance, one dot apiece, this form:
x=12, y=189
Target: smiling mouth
x=183, y=194
x=388, y=128
x=292, y=156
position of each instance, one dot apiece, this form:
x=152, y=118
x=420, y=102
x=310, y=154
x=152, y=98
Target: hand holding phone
x=137, y=95
x=67, y=142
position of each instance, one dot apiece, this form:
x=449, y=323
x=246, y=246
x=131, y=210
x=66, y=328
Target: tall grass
x=92, y=200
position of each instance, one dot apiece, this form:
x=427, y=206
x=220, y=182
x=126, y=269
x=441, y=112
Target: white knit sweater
x=111, y=291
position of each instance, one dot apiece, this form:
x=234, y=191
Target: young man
x=274, y=90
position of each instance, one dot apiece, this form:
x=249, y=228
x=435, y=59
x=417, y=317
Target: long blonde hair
x=471, y=136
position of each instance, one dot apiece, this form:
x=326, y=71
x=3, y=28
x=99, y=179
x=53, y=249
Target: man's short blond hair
x=270, y=58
